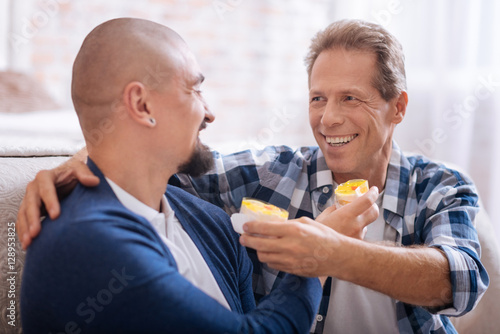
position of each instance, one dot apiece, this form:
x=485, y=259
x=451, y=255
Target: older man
x=126, y=257
x=419, y=262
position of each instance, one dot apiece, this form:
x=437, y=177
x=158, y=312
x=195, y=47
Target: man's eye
x=315, y=99
x=350, y=98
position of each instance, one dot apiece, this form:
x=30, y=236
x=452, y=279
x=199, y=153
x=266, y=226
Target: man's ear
x=400, y=107
x=136, y=98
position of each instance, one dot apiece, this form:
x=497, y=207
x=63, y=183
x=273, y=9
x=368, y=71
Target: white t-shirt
x=189, y=260
x=355, y=309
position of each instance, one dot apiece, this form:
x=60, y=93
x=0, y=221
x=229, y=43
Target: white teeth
x=340, y=140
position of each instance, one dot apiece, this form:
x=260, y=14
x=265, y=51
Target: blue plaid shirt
x=426, y=203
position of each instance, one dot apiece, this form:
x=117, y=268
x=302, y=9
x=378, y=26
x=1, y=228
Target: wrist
x=82, y=155
x=342, y=254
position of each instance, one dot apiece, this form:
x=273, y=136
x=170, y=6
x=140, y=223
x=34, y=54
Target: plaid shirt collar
x=397, y=182
x=396, y=186
x=320, y=175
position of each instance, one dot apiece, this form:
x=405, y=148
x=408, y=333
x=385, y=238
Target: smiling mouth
x=339, y=141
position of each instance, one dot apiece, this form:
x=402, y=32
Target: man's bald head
x=118, y=52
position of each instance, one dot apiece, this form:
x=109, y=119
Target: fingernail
x=242, y=241
x=245, y=227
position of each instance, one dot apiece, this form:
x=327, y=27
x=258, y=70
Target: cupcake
x=253, y=209
x=348, y=191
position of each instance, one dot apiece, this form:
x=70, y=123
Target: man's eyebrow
x=347, y=91
x=351, y=90
x=314, y=92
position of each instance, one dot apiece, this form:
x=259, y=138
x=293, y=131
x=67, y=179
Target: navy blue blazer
x=99, y=268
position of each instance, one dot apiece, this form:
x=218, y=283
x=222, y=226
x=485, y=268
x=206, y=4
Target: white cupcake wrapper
x=238, y=219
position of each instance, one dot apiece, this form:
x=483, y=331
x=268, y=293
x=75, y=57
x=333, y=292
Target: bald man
x=126, y=256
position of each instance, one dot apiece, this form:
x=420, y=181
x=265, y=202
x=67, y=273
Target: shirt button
x=319, y=318
x=326, y=190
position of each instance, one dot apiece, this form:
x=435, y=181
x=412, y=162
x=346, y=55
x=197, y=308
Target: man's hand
x=42, y=195
x=351, y=220
x=308, y=248
x=303, y=246
x=300, y=246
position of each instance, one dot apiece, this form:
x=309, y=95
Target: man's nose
x=332, y=114
x=209, y=115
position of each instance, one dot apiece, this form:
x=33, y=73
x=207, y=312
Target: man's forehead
x=192, y=68
x=340, y=82
x=341, y=61
x=342, y=70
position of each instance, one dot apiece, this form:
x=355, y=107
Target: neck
x=375, y=173
x=374, y=179
x=144, y=179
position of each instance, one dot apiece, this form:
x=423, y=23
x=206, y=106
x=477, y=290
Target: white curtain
x=453, y=70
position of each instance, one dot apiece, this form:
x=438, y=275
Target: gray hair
x=390, y=80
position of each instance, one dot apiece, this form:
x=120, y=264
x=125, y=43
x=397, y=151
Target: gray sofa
x=15, y=173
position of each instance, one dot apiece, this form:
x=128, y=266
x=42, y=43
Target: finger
x=363, y=233
x=32, y=214
x=315, y=223
x=280, y=267
x=360, y=205
x=259, y=243
x=270, y=228
x=279, y=259
x=370, y=215
x=84, y=175
x=275, y=261
x=329, y=209
x=323, y=217
x=267, y=257
x=22, y=226
x=46, y=193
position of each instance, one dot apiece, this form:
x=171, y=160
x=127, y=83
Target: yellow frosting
x=262, y=209
x=348, y=191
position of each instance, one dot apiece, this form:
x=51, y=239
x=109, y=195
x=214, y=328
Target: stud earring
x=152, y=121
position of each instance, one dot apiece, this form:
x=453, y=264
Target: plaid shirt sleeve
x=432, y=205
x=233, y=177
x=448, y=206
x=269, y=174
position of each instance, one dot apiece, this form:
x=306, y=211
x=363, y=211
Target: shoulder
x=91, y=216
x=434, y=180
x=426, y=169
